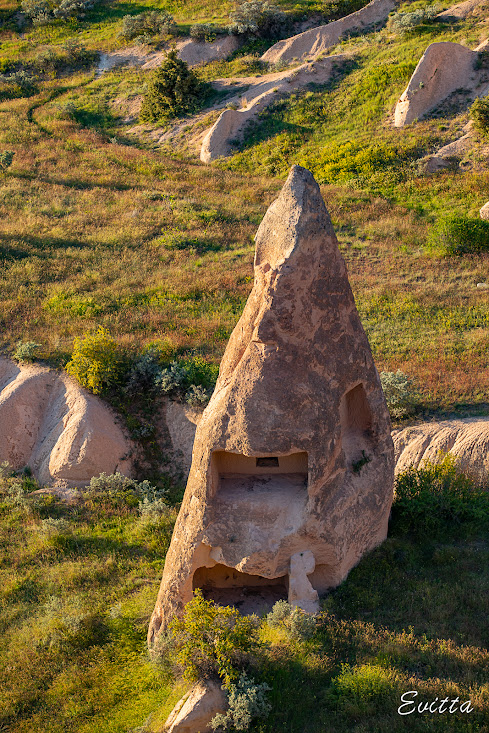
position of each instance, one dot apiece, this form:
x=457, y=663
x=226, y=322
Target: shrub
x=479, y=114
x=363, y=686
x=399, y=393
x=247, y=701
x=193, y=377
x=71, y=54
x=117, y=483
x=26, y=351
x=298, y=624
x=69, y=9
x=197, y=395
x=147, y=25
x=212, y=640
x=258, y=18
x=437, y=497
x=204, y=32
x=174, y=90
x=457, y=235
x=96, y=361
x=173, y=379
x=407, y=22
x=40, y=12
x=145, y=373
x=17, y=84
x=6, y=158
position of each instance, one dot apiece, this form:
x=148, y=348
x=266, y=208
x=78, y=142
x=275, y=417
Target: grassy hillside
x=79, y=581
x=101, y=225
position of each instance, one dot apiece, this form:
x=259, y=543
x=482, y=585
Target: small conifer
x=173, y=91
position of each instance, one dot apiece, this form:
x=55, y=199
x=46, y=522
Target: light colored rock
x=318, y=40
x=191, y=51
x=484, y=211
x=230, y=125
x=443, y=68
x=461, y=10
x=457, y=148
x=182, y=421
x=278, y=464
x=62, y=432
x=466, y=439
x=433, y=164
x=197, y=52
x=194, y=712
x=301, y=592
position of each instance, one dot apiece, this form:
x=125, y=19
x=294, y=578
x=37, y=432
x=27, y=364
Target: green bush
x=399, y=393
x=211, y=640
x=173, y=91
x=438, y=498
x=96, y=361
x=457, y=235
x=41, y=12
x=204, y=32
x=247, y=702
x=298, y=624
x=17, y=84
x=363, y=688
x=403, y=22
x=26, y=351
x=479, y=114
x=258, y=18
x=147, y=25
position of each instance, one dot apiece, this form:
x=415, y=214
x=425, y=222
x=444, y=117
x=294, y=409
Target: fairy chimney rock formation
x=292, y=468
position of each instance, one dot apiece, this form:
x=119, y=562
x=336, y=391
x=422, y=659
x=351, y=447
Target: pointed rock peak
x=296, y=217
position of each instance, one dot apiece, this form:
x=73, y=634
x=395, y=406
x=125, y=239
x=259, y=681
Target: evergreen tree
x=173, y=91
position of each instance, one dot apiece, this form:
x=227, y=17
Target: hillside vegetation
x=104, y=226
x=101, y=228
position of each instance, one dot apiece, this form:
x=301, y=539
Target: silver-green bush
x=400, y=393
x=26, y=351
x=247, y=701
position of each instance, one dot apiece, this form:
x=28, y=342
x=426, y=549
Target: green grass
x=79, y=581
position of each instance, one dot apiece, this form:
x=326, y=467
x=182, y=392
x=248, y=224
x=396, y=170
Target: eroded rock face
x=443, y=68
x=62, y=432
x=318, y=40
x=466, y=439
x=293, y=455
x=195, y=711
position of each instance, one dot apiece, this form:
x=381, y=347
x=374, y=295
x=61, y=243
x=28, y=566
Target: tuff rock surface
x=467, y=439
x=293, y=455
x=62, y=432
x=194, y=712
x=444, y=68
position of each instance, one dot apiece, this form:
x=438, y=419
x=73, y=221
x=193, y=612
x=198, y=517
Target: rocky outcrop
x=191, y=51
x=466, y=439
x=292, y=467
x=195, y=710
x=318, y=40
x=484, y=211
x=460, y=11
x=230, y=126
x=443, y=68
x=62, y=432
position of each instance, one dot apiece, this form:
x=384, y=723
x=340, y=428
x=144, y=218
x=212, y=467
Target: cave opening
x=248, y=593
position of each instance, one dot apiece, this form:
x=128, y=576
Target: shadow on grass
x=39, y=243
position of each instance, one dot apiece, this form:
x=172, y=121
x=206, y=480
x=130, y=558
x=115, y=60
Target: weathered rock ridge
x=444, y=68
x=292, y=470
x=466, y=439
x=315, y=41
x=62, y=432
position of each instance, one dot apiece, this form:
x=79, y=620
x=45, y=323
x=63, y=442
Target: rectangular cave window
x=269, y=461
